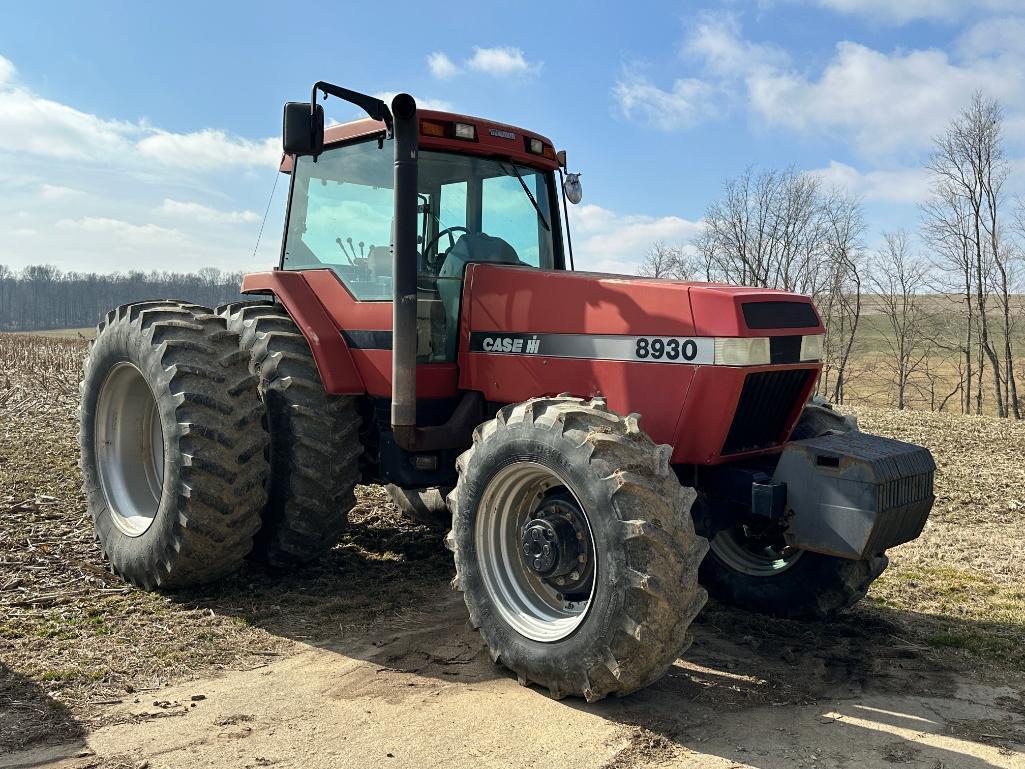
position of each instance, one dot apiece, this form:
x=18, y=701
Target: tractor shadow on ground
x=383, y=596
x=29, y=716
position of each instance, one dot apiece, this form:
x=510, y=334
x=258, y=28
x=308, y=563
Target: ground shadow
x=30, y=716
x=383, y=596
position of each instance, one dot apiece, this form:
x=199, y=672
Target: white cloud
x=604, y=241
x=686, y=103
x=200, y=213
x=715, y=39
x=883, y=103
x=992, y=37
x=6, y=70
x=441, y=65
x=57, y=192
x=903, y=11
x=32, y=124
x=502, y=61
x=120, y=231
x=903, y=185
x=208, y=150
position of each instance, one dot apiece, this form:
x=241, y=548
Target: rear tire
x=764, y=576
x=314, y=439
x=172, y=446
x=612, y=630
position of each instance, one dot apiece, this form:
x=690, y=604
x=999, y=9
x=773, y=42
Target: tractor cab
x=485, y=193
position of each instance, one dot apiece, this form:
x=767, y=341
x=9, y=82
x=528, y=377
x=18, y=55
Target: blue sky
x=135, y=135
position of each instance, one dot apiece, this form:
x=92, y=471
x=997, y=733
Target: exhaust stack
x=404, y=267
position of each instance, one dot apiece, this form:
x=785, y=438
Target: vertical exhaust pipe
x=404, y=268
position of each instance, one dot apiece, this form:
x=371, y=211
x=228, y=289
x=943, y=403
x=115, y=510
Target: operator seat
x=380, y=261
x=471, y=247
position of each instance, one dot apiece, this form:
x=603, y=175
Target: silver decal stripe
x=647, y=349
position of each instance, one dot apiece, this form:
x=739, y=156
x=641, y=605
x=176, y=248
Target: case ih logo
x=509, y=344
x=501, y=134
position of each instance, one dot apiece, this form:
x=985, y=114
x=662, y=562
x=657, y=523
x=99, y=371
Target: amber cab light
x=432, y=128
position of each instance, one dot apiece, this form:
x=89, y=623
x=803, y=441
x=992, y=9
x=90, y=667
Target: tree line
x=934, y=321
x=42, y=297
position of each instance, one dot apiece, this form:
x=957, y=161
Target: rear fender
x=334, y=361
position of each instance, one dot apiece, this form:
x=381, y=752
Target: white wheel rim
x=737, y=552
x=129, y=446
x=527, y=603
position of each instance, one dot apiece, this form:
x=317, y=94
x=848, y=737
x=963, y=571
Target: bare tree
x=840, y=295
x=781, y=229
x=969, y=170
x=899, y=279
x=665, y=261
x=41, y=296
x=766, y=230
x=947, y=228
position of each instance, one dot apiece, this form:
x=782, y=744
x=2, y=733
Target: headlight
x=811, y=348
x=749, y=351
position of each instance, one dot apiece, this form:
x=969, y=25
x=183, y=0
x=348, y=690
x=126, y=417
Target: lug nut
x=574, y=576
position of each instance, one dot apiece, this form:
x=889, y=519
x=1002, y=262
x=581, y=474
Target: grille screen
x=779, y=315
x=767, y=399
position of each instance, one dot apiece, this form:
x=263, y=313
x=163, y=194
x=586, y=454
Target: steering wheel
x=434, y=265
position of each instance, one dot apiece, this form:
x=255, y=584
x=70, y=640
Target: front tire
x=172, y=446
x=606, y=609
x=755, y=570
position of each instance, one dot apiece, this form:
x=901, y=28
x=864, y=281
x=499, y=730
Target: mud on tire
x=172, y=445
x=314, y=442
x=645, y=590
x=814, y=586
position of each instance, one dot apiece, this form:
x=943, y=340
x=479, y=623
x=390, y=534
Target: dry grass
x=72, y=636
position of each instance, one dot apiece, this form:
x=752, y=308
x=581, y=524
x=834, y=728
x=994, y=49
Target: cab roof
x=492, y=139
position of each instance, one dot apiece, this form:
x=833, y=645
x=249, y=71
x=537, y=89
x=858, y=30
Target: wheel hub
x=520, y=499
x=554, y=545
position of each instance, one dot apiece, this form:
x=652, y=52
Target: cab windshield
x=470, y=209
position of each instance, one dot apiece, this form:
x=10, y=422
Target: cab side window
x=341, y=217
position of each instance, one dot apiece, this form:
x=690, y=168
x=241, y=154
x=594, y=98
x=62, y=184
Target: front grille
x=760, y=315
x=767, y=399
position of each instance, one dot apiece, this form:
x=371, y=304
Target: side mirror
x=571, y=187
x=302, y=133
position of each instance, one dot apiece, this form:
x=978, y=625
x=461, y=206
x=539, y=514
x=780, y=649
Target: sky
x=146, y=136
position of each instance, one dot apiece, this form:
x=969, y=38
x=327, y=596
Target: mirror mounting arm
x=373, y=106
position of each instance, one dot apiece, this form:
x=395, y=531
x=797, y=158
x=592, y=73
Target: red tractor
x=603, y=448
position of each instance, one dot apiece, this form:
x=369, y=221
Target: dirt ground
x=365, y=659
x=421, y=691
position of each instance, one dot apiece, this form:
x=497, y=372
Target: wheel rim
x=533, y=606
x=129, y=448
x=755, y=557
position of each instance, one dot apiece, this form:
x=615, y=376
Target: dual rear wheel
x=206, y=438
